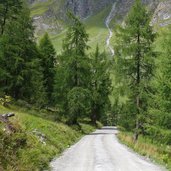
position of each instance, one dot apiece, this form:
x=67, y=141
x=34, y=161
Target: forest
x=132, y=90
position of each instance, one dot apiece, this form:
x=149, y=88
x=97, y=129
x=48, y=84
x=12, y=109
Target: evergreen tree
x=79, y=103
x=74, y=47
x=19, y=58
x=100, y=85
x=135, y=58
x=74, y=66
x=48, y=60
x=9, y=10
x=160, y=101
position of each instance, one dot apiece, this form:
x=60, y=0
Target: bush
x=79, y=103
x=160, y=135
x=24, y=104
x=5, y=101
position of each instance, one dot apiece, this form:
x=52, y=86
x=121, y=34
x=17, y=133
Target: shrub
x=160, y=135
x=5, y=101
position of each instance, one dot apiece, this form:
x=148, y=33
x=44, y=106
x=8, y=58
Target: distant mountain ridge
x=50, y=15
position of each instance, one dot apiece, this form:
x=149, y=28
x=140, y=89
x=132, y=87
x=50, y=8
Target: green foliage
x=11, y=144
x=149, y=148
x=75, y=59
x=84, y=81
x=79, y=102
x=161, y=84
x=5, y=101
x=100, y=85
x=40, y=7
x=73, y=72
x=76, y=37
x=160, y=100
x=23, y=149
x=48, y=61
x=155, y=133
x=19, y=60
x=135, y=60
x=9, y=10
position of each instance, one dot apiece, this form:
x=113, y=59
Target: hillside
x=37, y=139
x=51, y=16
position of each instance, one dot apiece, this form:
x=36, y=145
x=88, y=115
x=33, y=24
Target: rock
x=9, y=127
x=41, y=136
x=54, y=18
x=162, y=14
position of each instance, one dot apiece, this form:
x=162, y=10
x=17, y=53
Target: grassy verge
x=158, y=152
x=24, y=150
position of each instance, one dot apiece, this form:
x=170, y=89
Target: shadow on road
x=102, y=133
x=109, y=128
x=105, y=131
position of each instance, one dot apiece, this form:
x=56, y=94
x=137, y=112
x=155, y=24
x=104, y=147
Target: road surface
x=101, y=151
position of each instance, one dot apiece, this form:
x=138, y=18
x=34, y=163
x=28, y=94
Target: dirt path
x=101, y=151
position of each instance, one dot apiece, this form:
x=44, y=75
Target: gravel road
x=101, y=151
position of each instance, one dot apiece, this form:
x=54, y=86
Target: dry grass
x=158, y=152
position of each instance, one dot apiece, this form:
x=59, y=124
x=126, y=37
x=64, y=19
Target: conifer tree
x=135, y=58
x=74, y=48
x=100, y=85
x=9, y=10
x=160, y=101
x=19, y=59
x=48, y=59
x=75, y=64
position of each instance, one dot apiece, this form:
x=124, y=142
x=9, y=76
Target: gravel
x=101, y=151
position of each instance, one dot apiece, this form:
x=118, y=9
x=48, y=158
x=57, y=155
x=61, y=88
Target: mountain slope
x=51, y=16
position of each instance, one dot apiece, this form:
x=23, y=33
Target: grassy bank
x=25, y=150
x=158, y=152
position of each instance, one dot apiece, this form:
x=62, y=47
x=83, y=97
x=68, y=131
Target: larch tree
x=135, y=58
x=75, y=65
x=48, y=60
x=100, y=85
x=74, y=48
x=19, y=59
x=159, y=124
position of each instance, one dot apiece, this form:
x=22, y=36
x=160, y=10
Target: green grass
x=160, y=153
x=95, y=27
x=30, y=153
x=40, y=8
x=57, y=41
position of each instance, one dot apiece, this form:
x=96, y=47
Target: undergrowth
x=160, y=153
x=23, y=150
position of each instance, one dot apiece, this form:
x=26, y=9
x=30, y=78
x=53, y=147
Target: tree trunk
x=138, y=58
x=94, y=116
x=136, y=134
x=4, y=20
x=73, y=121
